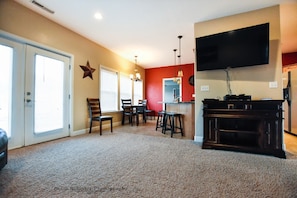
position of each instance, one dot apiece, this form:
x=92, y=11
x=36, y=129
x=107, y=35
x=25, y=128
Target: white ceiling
x=149, y=28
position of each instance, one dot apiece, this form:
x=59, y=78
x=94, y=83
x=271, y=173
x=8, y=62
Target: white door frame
x=17, y=109
x=164, y=89
x=62, y=129
x=19, y=80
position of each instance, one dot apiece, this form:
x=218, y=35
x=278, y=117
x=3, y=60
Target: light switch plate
x=273, y=84
x=204, y=88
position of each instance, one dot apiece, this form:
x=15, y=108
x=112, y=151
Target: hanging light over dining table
x=137, y=76
x=180, y=72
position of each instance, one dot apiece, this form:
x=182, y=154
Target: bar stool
x=173, y=126
x=160, y=119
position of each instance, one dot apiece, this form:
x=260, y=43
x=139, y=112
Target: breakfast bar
x=187, y=109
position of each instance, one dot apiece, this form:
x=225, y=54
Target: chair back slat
x=126, y=102
x=94, y=107
x=126, y=105
x=95, y=113
x=143, y=103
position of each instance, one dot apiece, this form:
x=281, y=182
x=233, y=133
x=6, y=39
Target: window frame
x=107, y=69
x=118, y=92
x=135, y=98
x=126, y=76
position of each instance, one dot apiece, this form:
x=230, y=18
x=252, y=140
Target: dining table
x=134, y=109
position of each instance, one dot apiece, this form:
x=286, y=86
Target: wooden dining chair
x=142, y=111
x=96, y=114
x=129, y=111
x=146, y=111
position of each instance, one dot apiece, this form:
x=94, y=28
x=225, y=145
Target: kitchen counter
x=188, y=111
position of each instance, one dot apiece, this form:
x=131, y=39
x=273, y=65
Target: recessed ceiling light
x=98, y=15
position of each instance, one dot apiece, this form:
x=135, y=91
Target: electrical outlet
x=273, y=84
x=204, y=88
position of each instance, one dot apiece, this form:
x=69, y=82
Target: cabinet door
x=272, y=135
x=210, y=130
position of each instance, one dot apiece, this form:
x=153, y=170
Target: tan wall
x=252, y=81
x=20, y=21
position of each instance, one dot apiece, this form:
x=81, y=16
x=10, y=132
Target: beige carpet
x=132, y=165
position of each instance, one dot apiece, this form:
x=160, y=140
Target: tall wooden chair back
x=143, y=102
x=147, y=111
x=95, y=113
x=126, y=102
x=129, y=111
x=142, y=110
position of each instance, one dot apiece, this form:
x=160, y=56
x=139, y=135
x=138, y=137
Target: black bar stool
x=175, y=123
x=160, y=120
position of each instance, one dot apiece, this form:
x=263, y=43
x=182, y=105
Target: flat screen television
x=237, y=48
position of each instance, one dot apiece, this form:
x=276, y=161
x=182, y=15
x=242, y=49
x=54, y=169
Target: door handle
x=28, y=94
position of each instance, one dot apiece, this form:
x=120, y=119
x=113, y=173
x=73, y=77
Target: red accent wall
x=289, y=58
x=154, y=79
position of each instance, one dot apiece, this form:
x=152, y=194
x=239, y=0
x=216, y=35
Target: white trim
x=198, y=139
x=163, y=90
x=108, y=68
x=79, y=132
x=22, y=40
x=105, y=125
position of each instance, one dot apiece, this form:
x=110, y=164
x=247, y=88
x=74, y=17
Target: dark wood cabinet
x=248, y=126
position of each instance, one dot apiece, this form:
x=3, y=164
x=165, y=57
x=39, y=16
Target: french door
x=35, y=94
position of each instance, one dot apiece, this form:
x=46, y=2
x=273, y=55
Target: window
x=108, y=90
x=125, y=87
x=138, y=90
x=109, y=95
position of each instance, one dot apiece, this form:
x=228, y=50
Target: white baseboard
x=95, y=128
x=198, y=139
x=79, y=132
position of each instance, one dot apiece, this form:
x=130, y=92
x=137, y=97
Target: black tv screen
x=237, y=48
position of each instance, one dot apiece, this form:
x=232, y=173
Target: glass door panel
x=47, y=101
x=49, y=78
x=6, y=64
x=12, y=91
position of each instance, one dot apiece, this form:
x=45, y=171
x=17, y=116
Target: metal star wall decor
x=88, y=70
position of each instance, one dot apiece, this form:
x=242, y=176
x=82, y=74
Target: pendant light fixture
x=180, y=71
x=137, y=74
x=175, y=79
x=174, y=51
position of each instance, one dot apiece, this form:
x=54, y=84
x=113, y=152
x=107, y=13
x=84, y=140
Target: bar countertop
x=187, y=109
x=182, y=102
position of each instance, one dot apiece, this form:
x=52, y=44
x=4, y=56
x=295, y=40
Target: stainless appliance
x=290, y=104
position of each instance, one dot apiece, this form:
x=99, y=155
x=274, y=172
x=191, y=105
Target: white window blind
x=108, y=90
x=138, y=91
x=125, y=87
